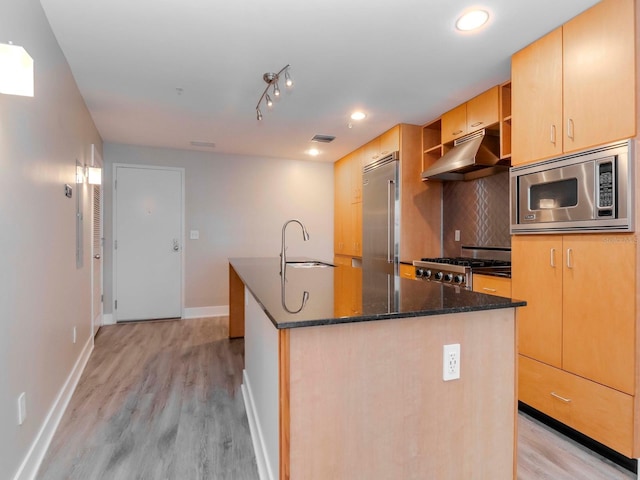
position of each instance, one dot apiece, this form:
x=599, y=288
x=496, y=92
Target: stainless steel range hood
x=474, y=156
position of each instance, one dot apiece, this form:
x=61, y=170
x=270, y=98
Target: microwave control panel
x=606, y=189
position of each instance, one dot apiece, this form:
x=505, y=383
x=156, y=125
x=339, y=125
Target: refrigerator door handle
x=390, y=219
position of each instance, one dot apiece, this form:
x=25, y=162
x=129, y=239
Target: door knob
x=176, y=247
x=97, y=256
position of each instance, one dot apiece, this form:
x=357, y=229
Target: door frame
x=114, y=198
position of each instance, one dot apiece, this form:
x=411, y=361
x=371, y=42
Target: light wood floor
x=158, y=400
x=161, y=400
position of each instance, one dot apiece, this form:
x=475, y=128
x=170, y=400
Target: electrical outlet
x=451, y=362
x=457, y=235
x=75, y=335
x=22, y=408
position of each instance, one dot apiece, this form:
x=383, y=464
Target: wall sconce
x=80, y=173
x=16, y=70
x=94, y=174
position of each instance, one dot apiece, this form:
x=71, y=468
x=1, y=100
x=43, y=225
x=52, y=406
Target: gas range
x=460, y=270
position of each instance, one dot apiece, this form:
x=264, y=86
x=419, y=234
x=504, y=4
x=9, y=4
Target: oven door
x=562, y=194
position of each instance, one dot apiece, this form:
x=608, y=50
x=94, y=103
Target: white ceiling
x=399, y=61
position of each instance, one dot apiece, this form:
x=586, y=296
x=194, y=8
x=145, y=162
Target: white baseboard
x=199, y=312
x=194, y=312
x=264, y=468
x=31, y=463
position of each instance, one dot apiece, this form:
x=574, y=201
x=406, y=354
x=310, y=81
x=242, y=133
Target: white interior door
x=96, y=247
x=148, y=242
x=96, y=259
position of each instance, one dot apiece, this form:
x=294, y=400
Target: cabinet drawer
x=491, y=285
x=407, y=271
x=600, y=412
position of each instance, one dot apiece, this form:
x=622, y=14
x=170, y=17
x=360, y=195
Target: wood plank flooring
x=157, y=400
x=161, y=400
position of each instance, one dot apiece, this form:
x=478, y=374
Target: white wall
x=42, y=293
x=239, y=205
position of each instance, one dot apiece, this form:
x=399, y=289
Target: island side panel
x=367, y=400
x=261, y=378
x=284, y=379
x=236, y=305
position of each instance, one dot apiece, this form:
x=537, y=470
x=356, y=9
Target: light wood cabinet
x=536, y=276
x=420, y=202
x=454, y=123
x=575, y=87
x=347, y=285
x=420, y=212
x=600, y=412
x=483, y=110
x=431, y=143
x=407, y=271
x=478, y=113
x=492, y=285
x=382, y=145
x=598, y=309
x=348, y=206
x=355, y=164
x=505, y=120
x=580, y=321
x=342, y=202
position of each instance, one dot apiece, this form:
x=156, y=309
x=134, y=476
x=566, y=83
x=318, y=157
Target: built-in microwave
x=586, y=191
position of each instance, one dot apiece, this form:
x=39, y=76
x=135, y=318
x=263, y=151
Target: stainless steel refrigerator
x=380, y=228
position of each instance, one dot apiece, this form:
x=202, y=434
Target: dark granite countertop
x=383, y=297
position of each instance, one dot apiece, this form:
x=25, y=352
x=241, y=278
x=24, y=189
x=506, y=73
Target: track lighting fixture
x=272, y=79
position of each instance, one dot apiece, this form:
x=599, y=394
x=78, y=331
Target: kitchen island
x=362, y=395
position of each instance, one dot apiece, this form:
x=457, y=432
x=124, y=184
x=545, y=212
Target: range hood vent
x=474, y=156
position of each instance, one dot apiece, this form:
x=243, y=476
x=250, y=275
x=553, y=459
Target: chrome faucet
x=283, y=255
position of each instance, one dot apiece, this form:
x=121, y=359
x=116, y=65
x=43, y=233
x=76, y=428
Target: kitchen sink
x=309, y=264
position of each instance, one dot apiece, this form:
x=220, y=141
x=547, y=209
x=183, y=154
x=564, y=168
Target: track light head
x=272, y=79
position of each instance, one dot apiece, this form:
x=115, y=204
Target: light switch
x=194, y=234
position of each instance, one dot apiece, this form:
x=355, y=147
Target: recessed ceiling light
x=472, y=19
x=358, y=116
x=314, y=152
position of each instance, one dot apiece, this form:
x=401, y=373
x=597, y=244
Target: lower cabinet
x=577, y=334
x=407, y=271
x=492, y=285
x=347, y=287
x=600, y=412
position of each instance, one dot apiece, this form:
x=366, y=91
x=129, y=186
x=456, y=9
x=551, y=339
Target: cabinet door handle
x=570, y=128
x=553, y=258
x=476, y=124
x=565, y=400
x=489, y=289
x=553, y=134
x=569, y=263
x=457, y=132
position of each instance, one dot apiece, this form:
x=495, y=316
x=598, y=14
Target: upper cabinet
x=575, y=87
x=477, y=113
x=454, y=123
x=489, y=109
x=382, y=145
